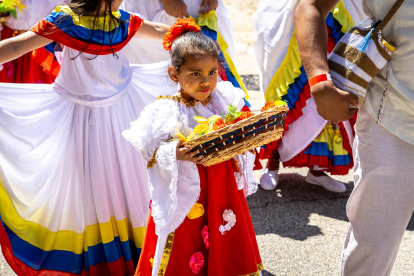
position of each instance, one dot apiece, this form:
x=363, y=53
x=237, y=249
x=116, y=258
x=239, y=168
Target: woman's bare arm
x=17, y=46
x=152, y=30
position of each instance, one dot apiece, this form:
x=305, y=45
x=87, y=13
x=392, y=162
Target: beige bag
x=360, y=55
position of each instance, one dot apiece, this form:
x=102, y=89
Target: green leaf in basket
x=233, y=114
x=13, y=12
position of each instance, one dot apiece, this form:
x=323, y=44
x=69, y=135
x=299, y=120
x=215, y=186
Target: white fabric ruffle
x=245, y=179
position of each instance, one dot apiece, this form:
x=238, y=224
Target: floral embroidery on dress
x=150, y=204
x=205, y=235
x=196, y=262
x=196, y=212
x=230, y=218
x=152, y=262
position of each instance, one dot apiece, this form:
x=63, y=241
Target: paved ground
x=300, y=227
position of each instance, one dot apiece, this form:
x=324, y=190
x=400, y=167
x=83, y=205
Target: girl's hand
x=183, y=153
x=176, y=8
x=208, y=5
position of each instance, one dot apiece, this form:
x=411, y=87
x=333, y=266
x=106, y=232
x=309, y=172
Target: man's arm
x=310, y=28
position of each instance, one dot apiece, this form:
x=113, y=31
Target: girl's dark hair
x=93, y=8
x=191, y=44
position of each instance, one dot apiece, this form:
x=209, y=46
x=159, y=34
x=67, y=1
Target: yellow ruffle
x=338, y=146
x=333, y=139
x=196, y=212
x=342, y=16
x=286, y=74
x=88, y=22
x=210, y=21
x=326, y=136
x=67, y=240
x=290, y=67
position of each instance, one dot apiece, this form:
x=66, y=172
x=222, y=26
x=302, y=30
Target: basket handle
x=390, y=14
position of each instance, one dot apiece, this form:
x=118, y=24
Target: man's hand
x=183, y=153
x=208, y=5
x=176, y=8
x=333, y=103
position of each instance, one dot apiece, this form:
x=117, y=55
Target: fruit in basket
x=244, y=115
x=219, y=124
x=273, y=104
x=207, y=125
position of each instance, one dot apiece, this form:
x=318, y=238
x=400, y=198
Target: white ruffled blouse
x=175, y=184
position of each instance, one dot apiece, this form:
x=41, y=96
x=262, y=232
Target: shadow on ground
x=286, y=210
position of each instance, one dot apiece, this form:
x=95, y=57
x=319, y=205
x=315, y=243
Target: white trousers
x=382, y=202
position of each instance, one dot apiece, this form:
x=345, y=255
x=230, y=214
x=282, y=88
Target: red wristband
x=320, y=78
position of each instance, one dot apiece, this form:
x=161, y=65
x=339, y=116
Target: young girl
x=200, y=221
x=25, y=69
x=74, y=197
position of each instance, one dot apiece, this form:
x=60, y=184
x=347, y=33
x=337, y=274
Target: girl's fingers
x=203, y=4
x=192, y=154
x=196, y=160
x=185, y=150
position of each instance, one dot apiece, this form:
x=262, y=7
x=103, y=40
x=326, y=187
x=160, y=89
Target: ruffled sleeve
x=228, y=94
x=244, y=177
x=174, y=185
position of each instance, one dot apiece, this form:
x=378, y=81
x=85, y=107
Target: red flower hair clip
x=179, y=28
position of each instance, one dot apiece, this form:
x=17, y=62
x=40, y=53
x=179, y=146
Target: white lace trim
x=156, y=122
x=229, y=93
x=245, y=179
x=172, y=199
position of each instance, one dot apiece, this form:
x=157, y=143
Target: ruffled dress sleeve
x=82, y=33
x=228, y=94
x=174, y=185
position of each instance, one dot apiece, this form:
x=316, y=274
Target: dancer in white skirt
x=141, y=51
x=74, y=198
x=308, y=141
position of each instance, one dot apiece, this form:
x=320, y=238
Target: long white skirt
x=69, y=181
x=140, y=51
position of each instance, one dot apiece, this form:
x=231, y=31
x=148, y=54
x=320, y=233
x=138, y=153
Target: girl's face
x=197, y=77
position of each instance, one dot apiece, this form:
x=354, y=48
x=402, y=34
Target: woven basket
x=248, y=134
x=4, y=17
